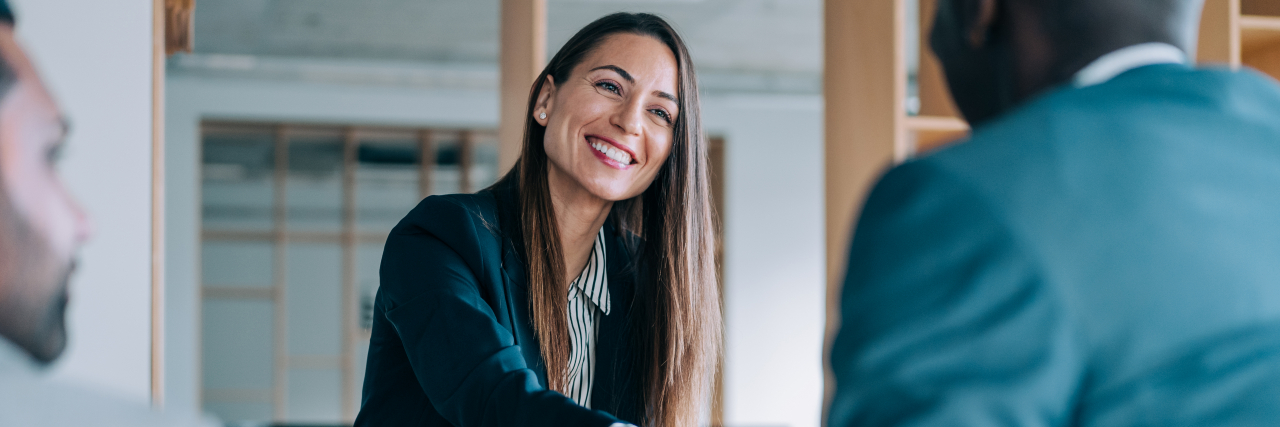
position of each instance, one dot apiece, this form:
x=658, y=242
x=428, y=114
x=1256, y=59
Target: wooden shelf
x=1260, y=43
x=933, y=132
x=1259, y=32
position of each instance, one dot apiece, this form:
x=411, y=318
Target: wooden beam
x=426, y=161
x=929, y=133
x=523, y=52
x=1258, y=33
x=350, y=146
x=1266, y=60
x=864, y=92
x=1260, y=7
x=279, y=273
x=238, y=292
x=1220, y=33
x=157, y=201
x=178, y=31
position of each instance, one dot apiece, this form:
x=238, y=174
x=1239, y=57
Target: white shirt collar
x=594, y=279
x=1124, y=59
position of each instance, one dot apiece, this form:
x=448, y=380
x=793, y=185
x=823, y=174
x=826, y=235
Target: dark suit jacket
x=452, y=343
x=1103, y=256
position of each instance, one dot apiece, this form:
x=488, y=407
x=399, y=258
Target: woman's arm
x=466, y=362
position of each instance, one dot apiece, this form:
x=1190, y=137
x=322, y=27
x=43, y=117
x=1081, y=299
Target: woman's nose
x=628, y=118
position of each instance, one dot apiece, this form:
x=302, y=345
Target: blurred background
x=244, y=160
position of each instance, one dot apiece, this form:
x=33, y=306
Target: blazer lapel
x=616, y=383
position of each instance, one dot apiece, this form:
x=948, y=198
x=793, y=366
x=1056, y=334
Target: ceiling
x=770, y=37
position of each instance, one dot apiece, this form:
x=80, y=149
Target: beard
x=50, y=332
x=33, y=288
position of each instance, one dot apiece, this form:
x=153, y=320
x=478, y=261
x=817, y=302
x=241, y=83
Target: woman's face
x=609, y=126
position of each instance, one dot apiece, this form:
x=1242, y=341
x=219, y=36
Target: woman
x=580, y=289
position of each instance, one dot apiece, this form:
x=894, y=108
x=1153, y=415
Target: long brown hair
x=677, y=297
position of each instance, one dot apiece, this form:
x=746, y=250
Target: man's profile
x=1104, y=250
x=41, y=228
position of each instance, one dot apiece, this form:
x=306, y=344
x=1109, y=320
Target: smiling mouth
x=610, y=154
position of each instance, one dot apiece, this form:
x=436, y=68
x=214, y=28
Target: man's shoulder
x=38, y=401
x=1155, y=112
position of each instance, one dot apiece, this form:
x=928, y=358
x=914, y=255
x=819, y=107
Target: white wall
x=96, y=58
x=774, y=242
x=774, y=263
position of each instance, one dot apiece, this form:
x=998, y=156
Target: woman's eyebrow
x=621, y=72
x=627, y=76
x=665, y=95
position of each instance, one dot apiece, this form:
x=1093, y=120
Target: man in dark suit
x=1104, y=250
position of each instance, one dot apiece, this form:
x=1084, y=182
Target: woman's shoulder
x=446, y=244
x=453, y=209
x=466, y=222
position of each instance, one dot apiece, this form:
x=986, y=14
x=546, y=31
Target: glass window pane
x=233, y=413
x=314, y=396
x=314, y=298
x=386, y=183
x=236, y=344
x=484, y=167
x=236, y=187
x=368, y=259
x=314, y=184
x=360, y=355
x=237, y=263
x=445, y=178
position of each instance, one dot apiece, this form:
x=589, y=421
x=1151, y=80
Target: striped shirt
x=588, y=300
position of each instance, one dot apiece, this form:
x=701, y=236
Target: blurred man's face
x=41, y=227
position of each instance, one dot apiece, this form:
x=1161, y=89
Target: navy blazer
x=1102, y=256
x=452, y=343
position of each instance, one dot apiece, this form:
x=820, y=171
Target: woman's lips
x=610, y=153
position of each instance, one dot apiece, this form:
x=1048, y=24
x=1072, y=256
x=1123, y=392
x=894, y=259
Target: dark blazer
x=1102, y=256
x=452, y=344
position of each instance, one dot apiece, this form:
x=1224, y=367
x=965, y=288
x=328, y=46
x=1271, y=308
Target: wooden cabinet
x=1258, y=29
x=1241, y=32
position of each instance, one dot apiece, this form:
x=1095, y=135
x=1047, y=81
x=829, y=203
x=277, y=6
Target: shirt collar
x=1124, y=59
x=593, y=282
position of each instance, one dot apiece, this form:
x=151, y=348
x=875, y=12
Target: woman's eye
x=663, y=114
x=608, y=86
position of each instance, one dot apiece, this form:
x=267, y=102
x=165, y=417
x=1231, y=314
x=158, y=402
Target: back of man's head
x=41, y=226
x=1082, y=30
x=998, y=53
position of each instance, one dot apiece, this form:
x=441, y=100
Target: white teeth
x=612, y=153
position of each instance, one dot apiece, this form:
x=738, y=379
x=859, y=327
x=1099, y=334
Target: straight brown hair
x=677, y=295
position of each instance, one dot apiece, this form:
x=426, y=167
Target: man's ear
x=542, y=108
x=981, y=17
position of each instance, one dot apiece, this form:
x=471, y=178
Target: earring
x=542, y=116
